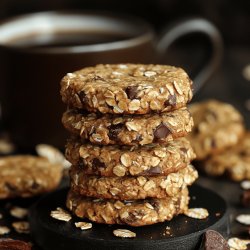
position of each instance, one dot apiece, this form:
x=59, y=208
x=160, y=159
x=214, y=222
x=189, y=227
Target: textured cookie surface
x=134, y=213
x=121, y=161
x=217, y=126
x=129, y=188
x=127, y=88
x=129, y=129
x=25, y=176
x=233, y=163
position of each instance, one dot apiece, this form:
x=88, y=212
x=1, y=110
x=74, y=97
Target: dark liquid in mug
x=65, y=39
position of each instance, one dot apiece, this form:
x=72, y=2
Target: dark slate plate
x=185, y=233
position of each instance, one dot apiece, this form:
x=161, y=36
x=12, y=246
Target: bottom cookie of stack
x=134, y=212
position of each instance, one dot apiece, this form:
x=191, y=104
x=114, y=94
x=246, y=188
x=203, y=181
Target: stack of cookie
x=130, y=160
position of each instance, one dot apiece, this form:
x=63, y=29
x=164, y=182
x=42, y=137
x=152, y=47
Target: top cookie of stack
x=127, y=88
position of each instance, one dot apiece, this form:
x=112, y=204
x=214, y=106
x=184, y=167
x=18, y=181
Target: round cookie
x=234, y=162
x=121, y=161
x=130, y=188
x=134, y=213
x=129, y=130
x=127, y=88
x=25, y=176
x=217, y=126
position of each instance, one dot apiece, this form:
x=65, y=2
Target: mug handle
x=195, y=25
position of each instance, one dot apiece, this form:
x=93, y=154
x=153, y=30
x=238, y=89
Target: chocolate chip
x=243, y=153
x=136, y=215
x=162, y=131
x=131, y=92
x=97, y=164
x=80, y=111
x=81, y=165
x=153, y=171
x=155, y=204
x=171, y=101
x=10, y=244
x=83, y=97
x=195, y=130
x=184, y=150
x=213, y=240
x=114, y=131
x=138, y=138
x=245, y=198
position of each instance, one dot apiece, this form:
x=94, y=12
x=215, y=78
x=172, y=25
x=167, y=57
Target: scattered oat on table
x=4, y=230
x=238, y=244
x=19, y=212
x=60, y=214
x=244, y=219
x=124, y=233
x=245, y=184
x=83, y=225
x=21, y=227
x=197, y=213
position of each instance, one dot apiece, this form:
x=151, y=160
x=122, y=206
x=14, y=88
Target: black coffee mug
x=37, y=50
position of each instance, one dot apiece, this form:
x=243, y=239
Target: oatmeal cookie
x=130, y=188
x=129, y=130
x=234, y=162
x=121, y=161
x=25, y=176
x=134, y=213
x=217, y=126
x=127, y=88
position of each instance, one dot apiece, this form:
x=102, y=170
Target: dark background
x=231, y=17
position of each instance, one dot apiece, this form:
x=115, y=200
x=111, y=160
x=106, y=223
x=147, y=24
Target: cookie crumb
x=238, y=244
x=60, y=214
x=19, y=212
x=21, y=227
x=124, y=233
x=83, y=225
x=197, y=213
x=243, y=219
x=4, y=230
